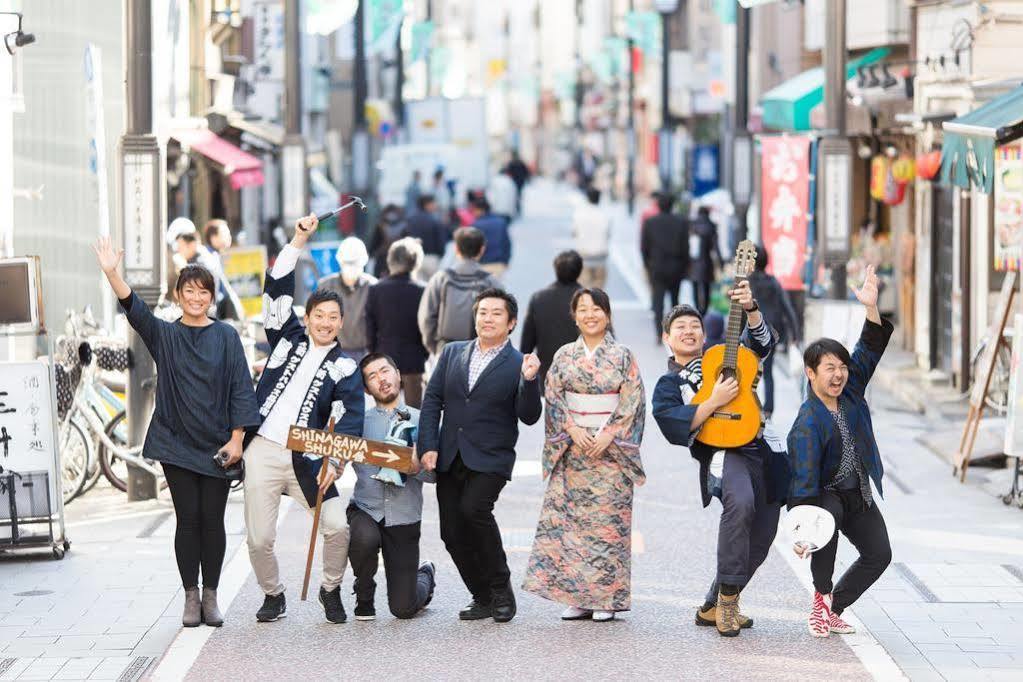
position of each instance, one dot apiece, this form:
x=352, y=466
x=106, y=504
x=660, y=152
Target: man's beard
x=389, y=397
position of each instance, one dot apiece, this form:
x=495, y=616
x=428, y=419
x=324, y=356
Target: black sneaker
x=274, y=607
x=333, y=609
x=431, y=570
x=365, y=610
x=475, y=611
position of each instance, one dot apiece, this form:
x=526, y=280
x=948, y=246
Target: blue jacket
x=482, y=424
x=815, y=444
x=336, y=390
x=495, y=229
x=674, y=416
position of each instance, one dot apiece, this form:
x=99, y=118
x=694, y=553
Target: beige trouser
x=593, y=275
x=269, y=473
x=496, y=269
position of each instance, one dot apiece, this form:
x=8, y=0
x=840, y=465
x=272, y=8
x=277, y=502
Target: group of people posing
x=208, y=418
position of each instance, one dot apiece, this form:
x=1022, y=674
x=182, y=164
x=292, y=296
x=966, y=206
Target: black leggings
x=199, y=504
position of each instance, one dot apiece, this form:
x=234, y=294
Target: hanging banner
x=785, y=199
x=1008, y=249
x=245, y=267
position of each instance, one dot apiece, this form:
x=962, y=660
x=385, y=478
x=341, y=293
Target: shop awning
x=241, y=168
x=788, y=106
x=968, y=150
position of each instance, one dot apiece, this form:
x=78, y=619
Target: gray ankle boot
x=211, y=614
x=193, y=611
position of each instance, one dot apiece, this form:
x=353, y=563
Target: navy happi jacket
x=815, y=443
x=336, y=390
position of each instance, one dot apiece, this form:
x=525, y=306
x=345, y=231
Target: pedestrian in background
x=704, y=257
x=412, y=192
x=549, y=322
x=204, y=403
x=217, y=235
x=483, y=388
x=582, y=549
x=446, y=309
x=778, y=312
x=502, y=195
x=664, y=247
x=519, y=173
x=591, y=230
x=441, y=198
x=352, y=285
x=423, y=225
x=496, y=231
x=391, y=318
x=388, y=230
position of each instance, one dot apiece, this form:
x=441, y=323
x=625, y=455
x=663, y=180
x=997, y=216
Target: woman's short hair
x=197, y=274
x=405, y=255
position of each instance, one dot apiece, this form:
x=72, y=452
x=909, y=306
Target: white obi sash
x=591, y=410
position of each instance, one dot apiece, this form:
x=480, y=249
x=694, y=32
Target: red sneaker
x=839, y=626
x=820, y=616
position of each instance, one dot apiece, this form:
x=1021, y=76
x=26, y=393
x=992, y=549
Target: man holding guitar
x=723, y=414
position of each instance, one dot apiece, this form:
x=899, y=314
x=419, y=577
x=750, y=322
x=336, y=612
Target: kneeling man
x=386, y=509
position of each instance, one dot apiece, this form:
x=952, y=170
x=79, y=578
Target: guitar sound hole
x=728, y=373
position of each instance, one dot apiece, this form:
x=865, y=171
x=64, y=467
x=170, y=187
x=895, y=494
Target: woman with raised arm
x=204, y=402
x=582, y=551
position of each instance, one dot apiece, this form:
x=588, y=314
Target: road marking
x=186, y=647
x=630, y=275
x=874, y=657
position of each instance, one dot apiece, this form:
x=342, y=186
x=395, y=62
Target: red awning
x=242, y=168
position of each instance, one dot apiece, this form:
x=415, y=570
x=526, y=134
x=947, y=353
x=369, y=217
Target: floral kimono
x=582, y=551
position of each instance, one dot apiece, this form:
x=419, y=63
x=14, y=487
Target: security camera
x=18, y=38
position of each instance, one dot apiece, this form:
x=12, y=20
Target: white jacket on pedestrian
x=591, y=228
x=501, y=195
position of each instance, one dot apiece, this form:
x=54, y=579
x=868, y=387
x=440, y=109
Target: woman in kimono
x=204, y=402
x=582, y=551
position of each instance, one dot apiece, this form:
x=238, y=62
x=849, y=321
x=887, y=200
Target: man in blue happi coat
x=833, y=456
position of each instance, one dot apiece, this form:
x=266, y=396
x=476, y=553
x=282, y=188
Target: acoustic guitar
x=738, y=422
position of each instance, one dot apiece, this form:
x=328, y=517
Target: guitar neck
x=733, y=331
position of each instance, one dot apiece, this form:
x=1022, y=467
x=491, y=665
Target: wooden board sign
x=346, y=448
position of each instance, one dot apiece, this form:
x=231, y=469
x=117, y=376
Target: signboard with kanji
x=341, y=446
x=26, y=420
x=784, y=208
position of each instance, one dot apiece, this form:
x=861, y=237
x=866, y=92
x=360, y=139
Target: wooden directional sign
x=347, y=448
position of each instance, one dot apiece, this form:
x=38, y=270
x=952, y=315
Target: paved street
x=950, y=607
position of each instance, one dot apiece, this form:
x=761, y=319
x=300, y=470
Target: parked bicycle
x=997, y=398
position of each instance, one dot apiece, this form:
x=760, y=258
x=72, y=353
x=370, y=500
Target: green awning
x=968, y=151
x=788, y=106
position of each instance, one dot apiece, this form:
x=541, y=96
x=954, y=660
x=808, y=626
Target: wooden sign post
x=982, y=382
x=343, y=448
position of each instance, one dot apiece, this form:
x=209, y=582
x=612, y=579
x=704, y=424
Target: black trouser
x=701, y=292
x=748, y=521
x=866, y=530
x=408, y=588
x=659, y=288
x=768, y=365
x=469, y=530
x=199, y=540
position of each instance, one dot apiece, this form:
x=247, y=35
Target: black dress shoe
x=504, y=605
x=475, y=611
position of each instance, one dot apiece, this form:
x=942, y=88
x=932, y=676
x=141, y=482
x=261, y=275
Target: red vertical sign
x=785, y=190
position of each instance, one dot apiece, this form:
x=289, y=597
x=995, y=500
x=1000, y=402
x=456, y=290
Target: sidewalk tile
x=992, y=660
x=16, y=669
x=964, y=630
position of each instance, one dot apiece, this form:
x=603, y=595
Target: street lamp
x=17, y=38
x=666, y=8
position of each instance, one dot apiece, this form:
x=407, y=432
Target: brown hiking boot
x=707, y=616
x=728, y=615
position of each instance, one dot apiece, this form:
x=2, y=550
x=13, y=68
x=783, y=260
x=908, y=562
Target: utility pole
x=360, y=134
x=667, y=9
x=835, y=152
x=399, y=83
x=295, y=184
x=141, y=211
x=742, y=154
x=631, y=177
x=429, y=49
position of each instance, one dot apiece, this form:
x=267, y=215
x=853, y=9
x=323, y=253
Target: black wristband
x=753, y=309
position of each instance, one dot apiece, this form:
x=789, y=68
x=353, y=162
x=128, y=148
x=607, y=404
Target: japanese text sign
x=785, y=198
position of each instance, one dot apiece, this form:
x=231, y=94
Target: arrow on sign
x=390, y=455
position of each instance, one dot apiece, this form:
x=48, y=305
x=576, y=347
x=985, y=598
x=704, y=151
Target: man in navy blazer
x=483, y=387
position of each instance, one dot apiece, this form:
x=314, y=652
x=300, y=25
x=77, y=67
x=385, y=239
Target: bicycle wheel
x=75, y=453
x=114, y=468
x=997, y=397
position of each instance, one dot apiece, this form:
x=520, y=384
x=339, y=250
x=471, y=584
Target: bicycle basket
x=111, y=357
